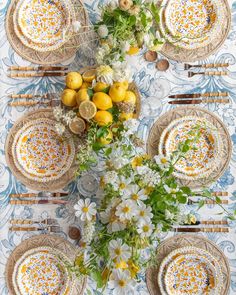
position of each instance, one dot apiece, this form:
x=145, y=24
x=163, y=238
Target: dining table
x=155, y=87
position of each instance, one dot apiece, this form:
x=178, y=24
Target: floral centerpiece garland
x=140, y=197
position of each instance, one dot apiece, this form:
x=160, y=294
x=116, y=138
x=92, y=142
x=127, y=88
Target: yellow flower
x=133, y=268
x=138, y=161
x=148, y=190
x=120, y=265
x=125, y=4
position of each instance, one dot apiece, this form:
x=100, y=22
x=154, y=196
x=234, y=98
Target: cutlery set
x=40, y=198
x=209, y=97
x=40, y=71
x=207, y=66
x=48, y=99
x=48, y=224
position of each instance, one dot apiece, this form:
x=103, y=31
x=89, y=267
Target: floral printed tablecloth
x=154, y=87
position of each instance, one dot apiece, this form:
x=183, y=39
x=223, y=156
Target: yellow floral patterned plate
x=189, y=251
x=50, y=46
x=187, y=41
x=44, y=21
x=205, y=147
x=40, y=153
x=190, y=274
x=42, y=271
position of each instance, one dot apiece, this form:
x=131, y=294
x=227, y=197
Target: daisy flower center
x=142, y=213
x=135, y=197
x=163, y=160
x=117, y=251
x=126, y=209
x=145, y=228
x=122, y=185
x=85, y=209
x=122, y=283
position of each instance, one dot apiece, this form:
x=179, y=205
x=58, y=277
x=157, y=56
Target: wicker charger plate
x=39, y=241
x=40, y=186
x=168, y=117
x=184, y=55
x=51, y=57
x=179, y=241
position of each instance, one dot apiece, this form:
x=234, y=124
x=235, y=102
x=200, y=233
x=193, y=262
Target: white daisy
x=145, y=229
x=144, y=213
x=110, y=177
x=134, y=193
x=162, y=161
x=125, y=46
x=121, y=282
x=85, y=210
x=171, y=190
x=126, y=210
x=122, y=183
x=118, y=250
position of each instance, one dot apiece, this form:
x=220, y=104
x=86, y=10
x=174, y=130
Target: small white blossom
x=121, y=282
x=171, y=190
x=134, y=193
x=125, y=46
x=121, y=184
x=169, y=215
x=101, y=53
x=145, y=229
x=58, y=113
x=76, y=25
x=110, y=177
x=162, y=161
x=68, y=117
x=60, y=128
x=122, y=71
x=126, y=210
x=105, y=74
x=103, y=31
x=144, y=213
x=85, y=210
x=118, y=250
x=88, y=232
x=131, y=125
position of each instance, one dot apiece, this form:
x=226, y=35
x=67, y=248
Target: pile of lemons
x=94, y=103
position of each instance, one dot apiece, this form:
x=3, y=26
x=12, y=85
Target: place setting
x=104, y=197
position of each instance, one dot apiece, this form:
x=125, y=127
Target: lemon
x=117, y=93
x=106, y=139
x=85, y=85
x=68, y=97
x=74, y=80
x=124, y=84
x=130, y=97
x=133, y=50
x=102, y=101
x=89, y=75
x=82, y=95
x=87, y=110
x=103, y=118
x=77, y=125
x=100, y=86
x=125, y=116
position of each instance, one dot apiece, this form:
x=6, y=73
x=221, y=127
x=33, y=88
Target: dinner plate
x=40, y=153
x=205, y=148
x=162, y=151
x=44, y=21
x=41, y=47
x=190, y=274
x=40, y=271
x=191, y=19
x=188, y=43
x=188, y=250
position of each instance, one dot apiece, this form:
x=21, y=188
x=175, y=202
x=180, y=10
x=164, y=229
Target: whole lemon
x=100, y=86
x=130, y=97
x=74, y=80
x=85, y=85
x=82, y=95
x=103, y=118
x=68, y=97
x=102, y=101
x=107, y=138
x=124, y=84
x=117, y=93
x=125, y=116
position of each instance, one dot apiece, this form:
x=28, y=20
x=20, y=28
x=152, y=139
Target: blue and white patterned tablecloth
x=154, y=87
